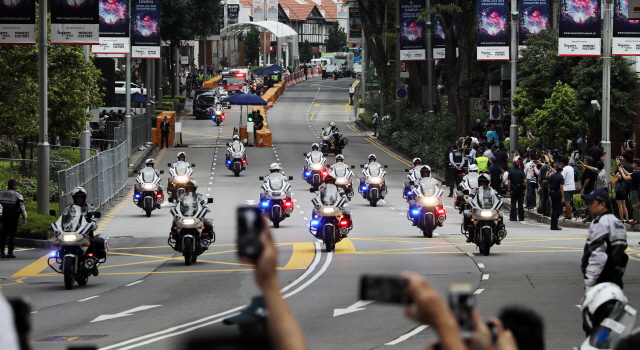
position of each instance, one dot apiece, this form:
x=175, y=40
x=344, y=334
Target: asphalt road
x=146, y=298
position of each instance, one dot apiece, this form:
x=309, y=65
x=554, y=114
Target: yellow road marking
x=34, y=268
x=303, y=254
x=312, y=114
x=18, y=281
x=316, y=105
x=345, y=247
x=404, y=161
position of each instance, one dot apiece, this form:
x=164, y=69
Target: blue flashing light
x=320, y=143
x=314, y=222
x=265, y=204
x=409, y=193
x=364, y=188
x=307, y=174
x=137, y=195
x=415, y=212
x=53, y=254
x=229, y=162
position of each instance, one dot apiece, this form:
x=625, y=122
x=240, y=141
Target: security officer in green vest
x=483, y=164
x=200, y=78
x=12, y=206
x=276, y=77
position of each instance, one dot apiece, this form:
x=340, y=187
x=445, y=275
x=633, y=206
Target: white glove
x=24, y=221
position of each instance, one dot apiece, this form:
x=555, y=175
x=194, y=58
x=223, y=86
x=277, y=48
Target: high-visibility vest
x=201, y=76
x=482, y=163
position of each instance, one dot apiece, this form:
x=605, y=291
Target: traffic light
x=250, y=118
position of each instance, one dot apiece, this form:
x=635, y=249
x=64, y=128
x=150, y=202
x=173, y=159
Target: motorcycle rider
x=336, y=132
x=456, y=160
x=413, y=172
x=235, y=142
x=314, y=148
x=603, y=306
x=190, y=189
x=484, y=181
x=182, y=157
x=425, y=173
x=327, y=188
x=372, y=159
x=150, y=163
x=339, y=162
x=274, y=171
x=473, y=173
x=79, y=196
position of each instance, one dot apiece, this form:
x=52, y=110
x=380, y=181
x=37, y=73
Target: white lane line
x=408, y=335
x=301, y=212
x=211, y=178
x=478, y=291
x=392, y=208
x=89, y=298
x=470, y=254
x=297, y=206
x=315, y=277
x=131, y=284
x=481, y=265
x=210, y=183
x=315, y=263
x=485, y=276
x=304, y=218
x=402, y=213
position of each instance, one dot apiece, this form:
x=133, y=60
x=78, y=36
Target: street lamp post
x=42, y=192
x=513, y=134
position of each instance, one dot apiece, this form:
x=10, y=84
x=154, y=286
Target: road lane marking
x=34, y=268
x=345, y=247
x=301, y=257
x=358, y=306
x=89, y=298
x=478, y=291
x=124, y=313
x=485, y=276
x=481, y=265
x=133, y=283
x=314, y=112
x=408, y=335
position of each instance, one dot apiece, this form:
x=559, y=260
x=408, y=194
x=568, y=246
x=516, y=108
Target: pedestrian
x=596, y=152
x=492, y=135
x=490, y=150
x=621, y=196
x=495, y=172
x=543, y=182
x=532, y=183
x=504, y=182
x=482, y=162
x=589, y=178
x=456, y=161
x=556, y=192
x=352, y=91
x=12, y=206
x=188, y=83
x=604, y=259
x=165, y=130
x=502, y=157
x=449, y=177
x=569, y=186
x=374, y=123
x=517, y=188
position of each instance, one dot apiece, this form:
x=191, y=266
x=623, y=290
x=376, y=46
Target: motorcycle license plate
x=275, y=193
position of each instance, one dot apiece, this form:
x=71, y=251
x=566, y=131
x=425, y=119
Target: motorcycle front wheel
x=68, y=273
x=148, y=211
x=187, y=250
x=427, y=231
x=486, y=241
x=328, y=241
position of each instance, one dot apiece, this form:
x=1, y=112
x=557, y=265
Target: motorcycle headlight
x=375, y=180
x=341, y=181
x=328, y=210
x=316, y=166
x=188, y=221
x=218, y=112
x=429, y=200
x=148, y=186
x=181, y=179
x=69, y=238
x=486, y=213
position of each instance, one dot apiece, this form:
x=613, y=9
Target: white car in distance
x=121, y=88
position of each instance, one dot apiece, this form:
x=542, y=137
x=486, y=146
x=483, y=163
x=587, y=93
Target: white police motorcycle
x=315, y=170
x=194, y=233
x=179, y=176
x=484, y=222
x=342, y=173
x=427, y=210
x=236, y=160
x=373, y=187
x=149, y=195
x=275, y=201
x=330, y=222
x=76, y=257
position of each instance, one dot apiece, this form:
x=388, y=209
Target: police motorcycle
x=180, y=173
x=607, y=317
x=236, y=159
x=469, y=182
x=79, y=252
x=342, y=173
x=426, y=209
x=217, y=114
x=372, y=186
x=483, y=223
x=413, y=177
x=332, y=140
x=330, y=220
x=191, y=233
x=315, y=169
x=275, y=201
x=148, y=191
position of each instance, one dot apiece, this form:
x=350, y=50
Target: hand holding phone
x=250, y=227
x=388, y=289
x=462, y=302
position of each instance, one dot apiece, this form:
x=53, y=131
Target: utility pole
x=380, y=79
x=42, y=192
x=158, y=80
x=398, y=101
x=513, y=135
x=606, y=83
x=365, y=71
x=127, y=84
x=148, y=64
x=429, y=62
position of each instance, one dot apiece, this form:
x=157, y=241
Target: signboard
x=114, y=28
x=633, y=10
x=184, y=59
x=401, y=94
x=145, y=36
x=272, y=10
x=232, y=14
x=493, y=30
x=535, y=16
x=17, y=22
x=355, y=25
x=258, y=12
x=626, y=33
x=579, y=28
x=412, y=31
x=494, y=112
x=75, y=22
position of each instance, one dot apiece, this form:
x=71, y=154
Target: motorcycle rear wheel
x=187, y=250
x=68, y=273
x=486, y=242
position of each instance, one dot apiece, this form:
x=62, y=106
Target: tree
x=307, y=53
x=252, y=45
x=336, y=38
x=558, y=119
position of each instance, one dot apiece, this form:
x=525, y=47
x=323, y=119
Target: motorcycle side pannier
x=101, y=247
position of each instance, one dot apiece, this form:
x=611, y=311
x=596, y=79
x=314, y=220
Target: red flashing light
x=288, y=204
x=239, y=75
x=244, y=161
x=344, y=222
x=90, y=255
x=223, y=116
x=159, y=195
x=324, y=173
x=441, y=211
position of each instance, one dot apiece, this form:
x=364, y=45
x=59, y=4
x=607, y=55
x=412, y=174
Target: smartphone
x=250, y=227
x=388, y=289
x=462, y=302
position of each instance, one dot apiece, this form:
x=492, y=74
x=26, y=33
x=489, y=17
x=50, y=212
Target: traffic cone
x=260, y=143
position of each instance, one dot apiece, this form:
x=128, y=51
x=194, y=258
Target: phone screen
x=250, y=226
x=462, y=302
x=390, y=289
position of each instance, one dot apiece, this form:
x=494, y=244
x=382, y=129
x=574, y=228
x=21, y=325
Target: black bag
x=100, y=247
x=620, y=186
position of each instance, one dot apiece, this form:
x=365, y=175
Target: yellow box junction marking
x=303, y=254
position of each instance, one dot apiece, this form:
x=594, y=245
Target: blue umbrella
x=242, y=99
x=270, y=70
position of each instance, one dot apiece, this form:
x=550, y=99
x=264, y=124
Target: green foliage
x=365, y=118
x=252, y=45
x=557, y=120
x=38, y=226
x=307, y=53
x=336, y=38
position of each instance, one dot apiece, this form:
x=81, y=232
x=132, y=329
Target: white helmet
x=316, y=145
x=473, y=167
x=274, y=166
x=597, y=301
x=485, y=177
x=183, y=155
x=340, y=157
x=427, y=168
x=150, y=161
x=372, y=156
x=332, y=125
x=416, y=160
x=235, y=138
x=79, y=191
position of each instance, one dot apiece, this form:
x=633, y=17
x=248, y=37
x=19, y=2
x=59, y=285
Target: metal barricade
x=139, y=125
x=104, y=176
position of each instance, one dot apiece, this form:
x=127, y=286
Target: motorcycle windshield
x=181, y=168
x=276, y=182
x=485, y=198
x=71, y=218
x=236, y=147
x=340, y=170
x=326, y=133
x=616, y=326
x=189, y=204
x=148, y=174
x=375, y=169
x=316, y=157
x=472, y=180
x=428, y=187
x=329, y=196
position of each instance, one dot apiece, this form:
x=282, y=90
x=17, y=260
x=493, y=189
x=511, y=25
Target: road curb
x=141, y=157
x=34, y=243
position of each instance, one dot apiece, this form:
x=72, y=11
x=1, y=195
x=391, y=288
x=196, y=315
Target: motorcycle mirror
x=97, y=214
x=304, y=154
x=135, y=171
x=52, y=212
x=362, y=166
x=161, y=172
x=169, y=165
x=386, y=166
x=312, y=190
x=261, y=178
x=406, y=170
x=353, y=167
x=209, y=200
x=193, y=165
x=290, y=178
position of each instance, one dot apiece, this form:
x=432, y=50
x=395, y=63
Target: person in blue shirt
x=492, y=135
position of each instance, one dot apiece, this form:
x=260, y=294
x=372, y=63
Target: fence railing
x=139, y=125
x=104, y=176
